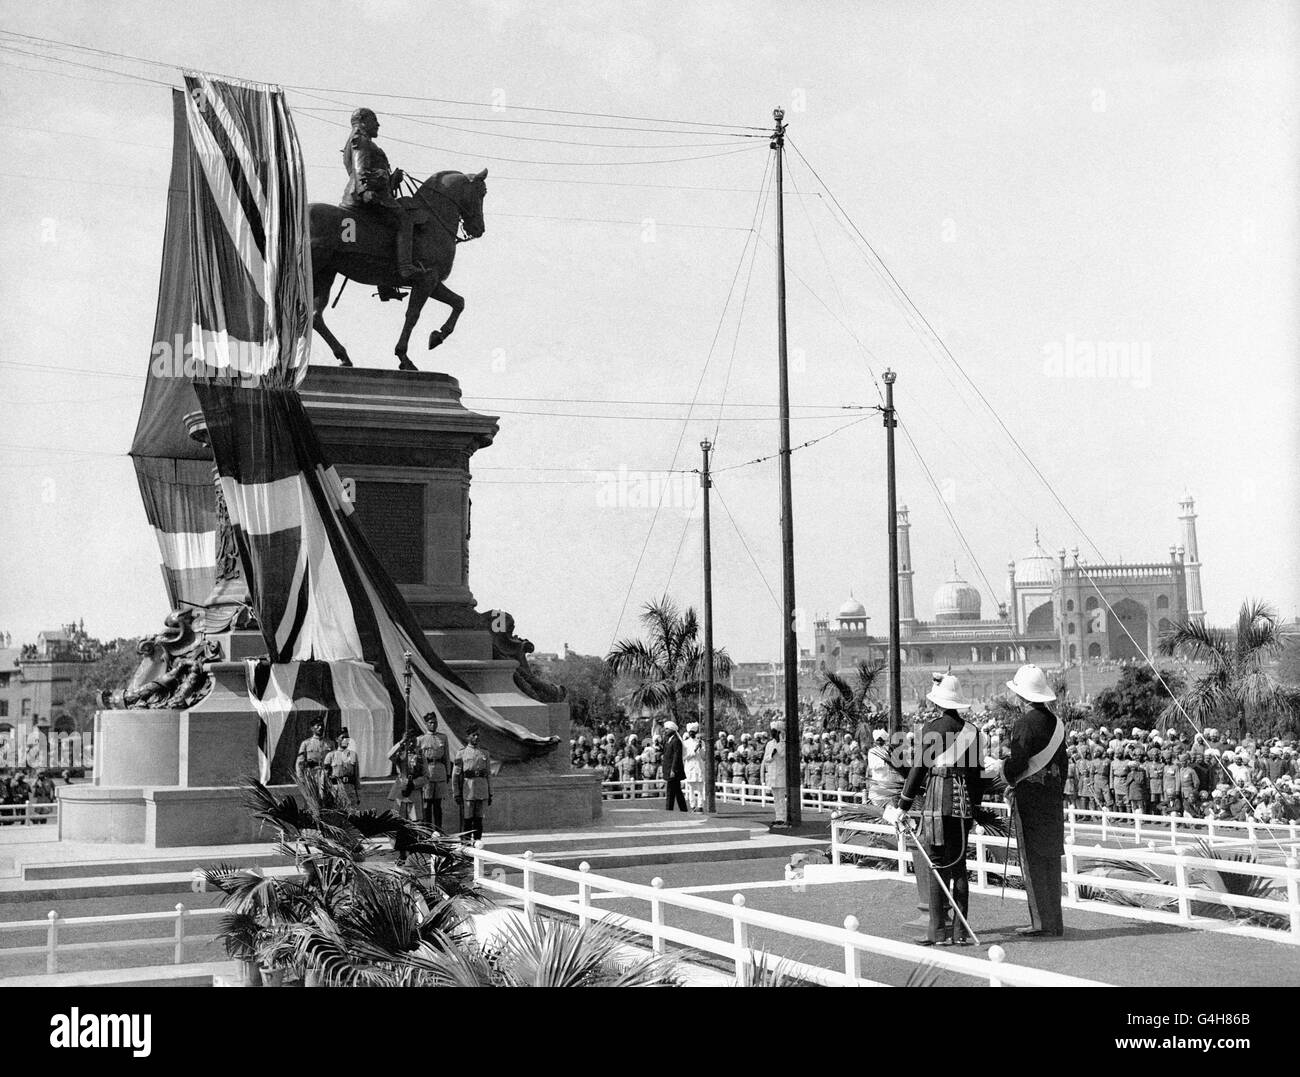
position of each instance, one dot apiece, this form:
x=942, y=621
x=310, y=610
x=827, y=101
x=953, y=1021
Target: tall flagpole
x=789, y=640
x=895, y=659
x=710, y=778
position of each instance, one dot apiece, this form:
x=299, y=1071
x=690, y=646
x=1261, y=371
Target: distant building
x=1060, y=611
x=36, y=678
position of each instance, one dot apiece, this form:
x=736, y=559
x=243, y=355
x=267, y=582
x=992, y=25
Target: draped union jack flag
x=250, y=241
x=336, y=627
x=317, y=585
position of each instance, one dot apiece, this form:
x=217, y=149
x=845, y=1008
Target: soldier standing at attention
x=1100, y=778
x=344, y=773
x=1138, y=792
x=435, y=751
x=311, y=754
x=1035, y=775
x=406, y=790
x=472, y=783
x=1119, y=780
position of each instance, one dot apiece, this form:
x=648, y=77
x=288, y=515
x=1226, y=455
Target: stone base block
x=171, y=817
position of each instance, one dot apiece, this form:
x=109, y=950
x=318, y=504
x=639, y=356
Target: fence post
x=997, y=955
x=52, y=943
x=981, y=862
x=1071, y=812
x=852, y=956
x=1250, y=829
x=1104, y=816
x=1211, y=822
x=1293, y=894
x=835, y=842
x=529, y=906
x=656, y=918
x=1180, y=879
x=740, y=936
x=179, y=957
x=478, y=862
x=584, y=897
x=1071, y=887
x=1137, y=828
x=1173, y=830
x=902, y=854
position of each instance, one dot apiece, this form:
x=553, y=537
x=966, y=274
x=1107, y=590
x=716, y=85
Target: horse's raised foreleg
x=321, y=295
x=419, y=293
x=443, y=294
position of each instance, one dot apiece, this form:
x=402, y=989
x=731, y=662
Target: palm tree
x=348, y=913
x=1235, y=690
x=543, y=951
x=668, y=666
x=846, y=702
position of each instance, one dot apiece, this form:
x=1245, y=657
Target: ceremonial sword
x=905, y=823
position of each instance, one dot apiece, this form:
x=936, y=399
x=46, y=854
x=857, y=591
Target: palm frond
x=833, y=683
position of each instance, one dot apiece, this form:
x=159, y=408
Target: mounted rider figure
x=372, y=184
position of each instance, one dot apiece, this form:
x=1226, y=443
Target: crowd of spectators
x=21, y=787
x=1207, y=775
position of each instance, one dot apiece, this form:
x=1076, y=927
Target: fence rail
x=54, y=925
x=743, y=921
x=992, y=856
x=29, y=814
x=1137, y=827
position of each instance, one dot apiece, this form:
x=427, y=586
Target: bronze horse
x=358, y=244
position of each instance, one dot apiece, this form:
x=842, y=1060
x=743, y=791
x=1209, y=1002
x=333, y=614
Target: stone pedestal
x=402, y=443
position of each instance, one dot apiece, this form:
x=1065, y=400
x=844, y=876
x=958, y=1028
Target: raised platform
x=627, y=835
x=166, y=817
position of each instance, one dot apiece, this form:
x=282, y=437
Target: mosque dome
x=956, y=600
x=1039, y=569
x=852, y=610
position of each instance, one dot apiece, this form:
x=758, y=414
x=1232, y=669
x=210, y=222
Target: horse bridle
x=418, y=193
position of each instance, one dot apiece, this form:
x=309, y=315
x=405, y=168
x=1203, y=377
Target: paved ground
x=1101, y=947
x=104, y=958
x=1097, y=946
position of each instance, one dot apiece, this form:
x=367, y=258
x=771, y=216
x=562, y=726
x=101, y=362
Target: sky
x=1046, y=181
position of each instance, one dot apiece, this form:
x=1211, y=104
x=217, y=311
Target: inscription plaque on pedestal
x=392, y=516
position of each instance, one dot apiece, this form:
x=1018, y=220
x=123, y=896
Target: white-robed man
x=774, y=773
x=693, y=761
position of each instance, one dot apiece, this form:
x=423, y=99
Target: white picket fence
x=743, y=921
x=989, y=858
x=28, y=814
x=55, y=927
x=734, y=792
x=1138, y=828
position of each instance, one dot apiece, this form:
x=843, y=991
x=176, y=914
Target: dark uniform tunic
x=952, y=791
x=1039, y=816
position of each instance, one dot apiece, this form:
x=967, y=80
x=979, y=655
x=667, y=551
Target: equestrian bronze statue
x=375, y=237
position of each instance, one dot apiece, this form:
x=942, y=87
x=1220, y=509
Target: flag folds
x=347, y=695
x=250, y=239
x=335, y=625
x=174, y=471
x=317, y=586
